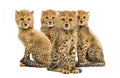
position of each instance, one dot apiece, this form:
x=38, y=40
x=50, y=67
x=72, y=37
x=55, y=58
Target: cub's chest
x=82, y=33
x=25, y=38
x=69, y=38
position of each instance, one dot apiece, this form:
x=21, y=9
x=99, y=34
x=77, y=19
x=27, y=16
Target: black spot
x=53, y=17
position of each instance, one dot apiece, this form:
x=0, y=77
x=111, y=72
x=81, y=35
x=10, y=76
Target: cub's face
x=49, y=18
x=67, y=19
x=82, y=18
x=24, y=19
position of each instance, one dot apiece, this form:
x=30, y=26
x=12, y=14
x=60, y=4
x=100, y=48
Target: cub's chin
x=26, y=27
x=50, y=26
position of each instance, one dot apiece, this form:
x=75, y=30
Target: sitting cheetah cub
x=65, y=46
x=49, y=24
x=35, y=42
x=89, y=50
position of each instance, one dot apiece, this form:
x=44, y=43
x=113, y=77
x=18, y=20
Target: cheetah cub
x=49, y=23
x=34, y=42
x=65, y=46
x=89, y=50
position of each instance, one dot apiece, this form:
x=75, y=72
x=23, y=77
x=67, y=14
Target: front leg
x=82, y=50
x=52, y=36
x=26, y=55
x=61, y=47
x=73, y=52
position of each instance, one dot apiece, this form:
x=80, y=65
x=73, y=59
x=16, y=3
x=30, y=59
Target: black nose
x=25, y=24
x=49, y=22
x=66, y=24
x=81, y=21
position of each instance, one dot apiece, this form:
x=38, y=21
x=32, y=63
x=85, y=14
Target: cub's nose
x=66, y=24
x=25, y=24
x=81, y=21
x=49, y=22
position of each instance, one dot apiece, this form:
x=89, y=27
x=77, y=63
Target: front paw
x=75, y=71
x=80, y=64
x=65, y=71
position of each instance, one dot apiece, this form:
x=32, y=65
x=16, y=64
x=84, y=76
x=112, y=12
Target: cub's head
x=82, y=18
x=24, y=19
x=49, y=18
x=67, y=19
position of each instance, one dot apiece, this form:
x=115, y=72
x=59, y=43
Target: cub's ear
x=32, y=12
x=60, y=12
x=74, y=12
x=43, y=11
x=88, y=12
x=16, y=12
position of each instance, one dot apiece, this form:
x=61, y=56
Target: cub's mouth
x=25, y=25
x=81, y=23
x=66, y=26
x=50, y=24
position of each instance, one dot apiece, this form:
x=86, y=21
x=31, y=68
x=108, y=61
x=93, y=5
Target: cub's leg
x=81, y=52
x=26, y=54
x=73, y=52
x=95, y=56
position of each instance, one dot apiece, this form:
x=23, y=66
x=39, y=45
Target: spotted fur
x=34, y=42
x=89, y=50
x=49, y=23
x=65, y=45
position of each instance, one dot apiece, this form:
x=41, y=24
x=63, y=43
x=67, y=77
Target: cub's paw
x=59, y=69
x=65, y=71
x=80, y=64
x=75, y=71
x=22, y=65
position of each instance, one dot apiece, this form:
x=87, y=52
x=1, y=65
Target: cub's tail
x=91, y=64
x=98, y=64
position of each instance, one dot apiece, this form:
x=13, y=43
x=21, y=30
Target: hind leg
x=95, y=56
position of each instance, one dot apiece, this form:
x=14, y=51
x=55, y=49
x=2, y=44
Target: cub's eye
x=28, y=19
x=22, y=19
x=63, y=19
x=53, y=17
x=46, y=17
x=78, y=16
x=84, y=17
x=70, y=19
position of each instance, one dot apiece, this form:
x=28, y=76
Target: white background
x=104, y=21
